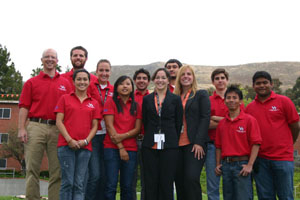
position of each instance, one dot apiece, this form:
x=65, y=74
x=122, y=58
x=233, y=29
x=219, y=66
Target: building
x=9, y=114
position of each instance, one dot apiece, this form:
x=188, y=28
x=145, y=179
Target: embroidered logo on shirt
x=274, y=109
x=90, y=105
x=240, y=130
x=62, y=88
x=105, y=110
x=56, y=107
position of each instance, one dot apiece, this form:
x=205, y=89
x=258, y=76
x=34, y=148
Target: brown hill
x=287, y=72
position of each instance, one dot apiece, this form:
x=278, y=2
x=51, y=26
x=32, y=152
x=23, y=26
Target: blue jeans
x=274, y=178
x=74, y=165
x=235, y=186
x=114, y=165
x=96, y=173
x=212, y=181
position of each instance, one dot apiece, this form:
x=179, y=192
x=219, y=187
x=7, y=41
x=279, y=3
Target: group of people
x=96, y=134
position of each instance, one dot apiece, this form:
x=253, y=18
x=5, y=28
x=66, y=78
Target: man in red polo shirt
x=219, y=78
x=237, y=144
x=78, y=56
x=173, y=66
x=279, y=126
x=141, y=80
x=37, y=127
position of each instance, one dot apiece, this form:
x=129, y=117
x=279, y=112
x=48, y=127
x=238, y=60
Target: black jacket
x=197, y=115
x=171, y=119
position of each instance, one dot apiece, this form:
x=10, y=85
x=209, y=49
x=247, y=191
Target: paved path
x=13, y=187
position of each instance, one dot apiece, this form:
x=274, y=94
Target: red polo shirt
x=236, y=137
x=274, y=116
x=171, y=88
x=78, y=117
x=69, y=76
x=138, y=97
x=41, y=93
x=123, y=122
x=106, y=93
x=218, y=108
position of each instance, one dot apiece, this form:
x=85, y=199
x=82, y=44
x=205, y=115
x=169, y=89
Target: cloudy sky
x=210, y=32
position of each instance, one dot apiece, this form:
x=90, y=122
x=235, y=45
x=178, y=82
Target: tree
x=37, y=70
x=294, y=93
x=276, y=86
x=11, y=80
x=14, y=148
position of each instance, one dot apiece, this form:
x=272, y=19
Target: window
x=2, y=163
x=3, y=138
x=5, y=113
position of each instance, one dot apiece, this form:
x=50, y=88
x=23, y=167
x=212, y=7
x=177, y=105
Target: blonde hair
x=178, y=87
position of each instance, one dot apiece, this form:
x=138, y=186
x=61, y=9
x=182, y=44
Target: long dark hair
x=133, y=107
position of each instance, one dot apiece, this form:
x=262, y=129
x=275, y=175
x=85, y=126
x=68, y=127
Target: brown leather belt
x=43, y=121
x=229, y=159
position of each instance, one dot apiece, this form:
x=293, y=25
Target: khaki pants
x=41, y=137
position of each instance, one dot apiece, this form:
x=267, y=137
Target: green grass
x=203, y=185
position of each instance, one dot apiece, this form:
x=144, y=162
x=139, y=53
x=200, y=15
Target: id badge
x=103, y=125
x=182, y=129
x=159, y=138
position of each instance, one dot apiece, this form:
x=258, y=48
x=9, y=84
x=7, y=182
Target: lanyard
x=185, y=98
x=103, y=101
x=158, y=107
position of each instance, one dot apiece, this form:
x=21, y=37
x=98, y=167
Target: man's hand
x=22, y=135
x=218, y=170
x=247, y=169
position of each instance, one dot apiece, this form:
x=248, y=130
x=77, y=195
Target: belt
x=43, y=121
x=211, y=142
x=235, y=158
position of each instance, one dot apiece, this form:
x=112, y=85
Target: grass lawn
x=203, y=184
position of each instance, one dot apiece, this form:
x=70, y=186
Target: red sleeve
x=97, y=112
x=218, y=143
x=139, y=111
x=254, y=131
x=290, y=111
x=60, y=106
x=109, y=107
x=26, y=95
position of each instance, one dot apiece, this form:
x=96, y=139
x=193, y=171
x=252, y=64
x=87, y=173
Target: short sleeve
x=60, y=106
x=26, y=95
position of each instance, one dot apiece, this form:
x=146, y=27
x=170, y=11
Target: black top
x=171, y=119
x=197, y=115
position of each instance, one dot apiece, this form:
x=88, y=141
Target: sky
x=138, y=32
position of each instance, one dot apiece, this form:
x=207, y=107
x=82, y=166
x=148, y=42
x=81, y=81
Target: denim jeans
x=74, y=165
x=212, y=181
x=114, y=165
x=274, y=178
x=235, y=186
x=96, y=173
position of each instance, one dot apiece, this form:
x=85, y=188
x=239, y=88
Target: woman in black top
x=162, y=118
x=194, y=135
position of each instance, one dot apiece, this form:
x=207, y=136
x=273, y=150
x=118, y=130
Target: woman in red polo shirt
x=194, y=134
x=122, y=117
x=77, y=116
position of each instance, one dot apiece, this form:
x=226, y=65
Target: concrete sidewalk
x=13, y=187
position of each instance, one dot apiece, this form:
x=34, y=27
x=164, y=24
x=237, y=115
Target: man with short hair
x=78, y=56
x=237, y=144
x=173, y=66
x=279, y=126
x=141, y=80
x=37, y=128
x=219, y=78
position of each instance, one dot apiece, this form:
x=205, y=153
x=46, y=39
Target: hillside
x=287, y=72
